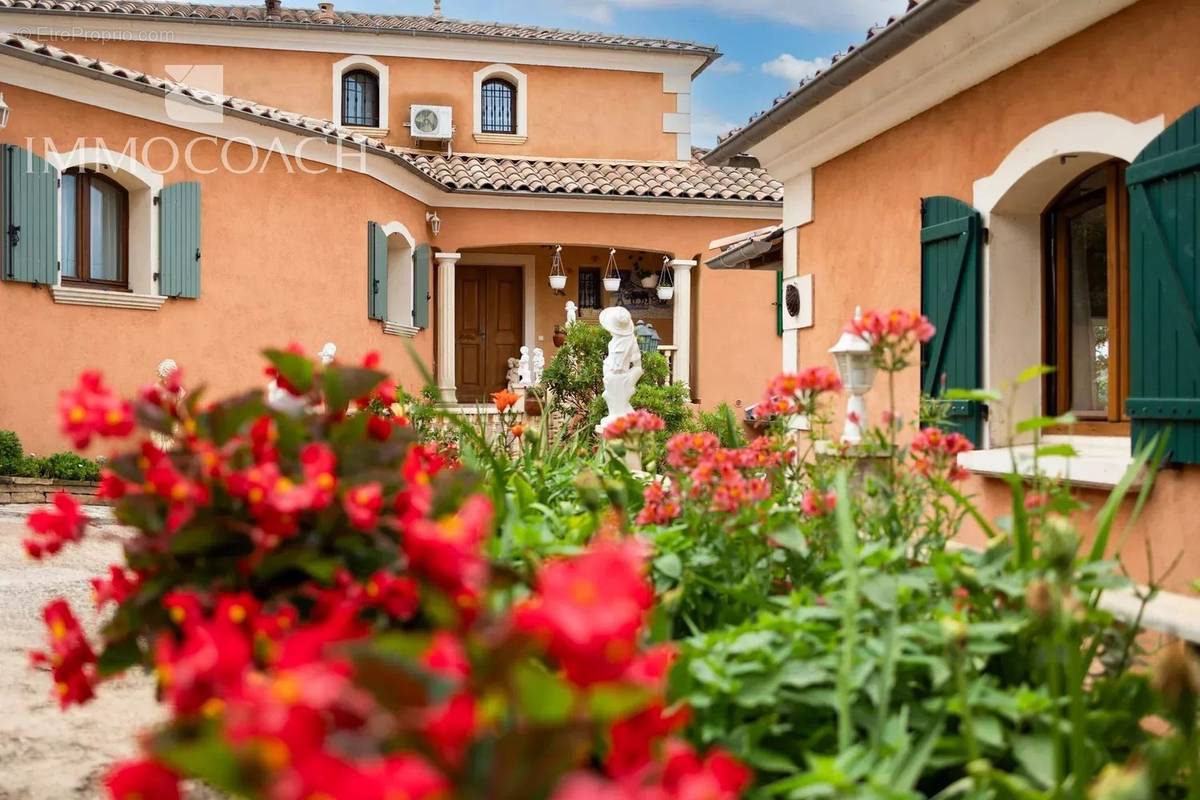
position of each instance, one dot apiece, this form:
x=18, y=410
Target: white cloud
x=707, y=125
x=726, y=66
x=793, y=69
x=812, y=14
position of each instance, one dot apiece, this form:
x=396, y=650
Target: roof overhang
x=936, y=51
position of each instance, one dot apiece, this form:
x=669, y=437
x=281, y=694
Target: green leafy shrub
x=575, y=378
x=10, y=447
x=724, y=424
x=69, y=467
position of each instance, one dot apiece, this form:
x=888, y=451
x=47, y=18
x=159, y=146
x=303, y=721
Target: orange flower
x=517, y=430
x=504, y=399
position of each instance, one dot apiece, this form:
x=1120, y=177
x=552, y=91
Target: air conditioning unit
x=431, y=122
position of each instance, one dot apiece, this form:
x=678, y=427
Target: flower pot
x=558, y=282
x=666, y=293
x=559, y=339
x=533, y=404
x=612, y=285
x=649, y=281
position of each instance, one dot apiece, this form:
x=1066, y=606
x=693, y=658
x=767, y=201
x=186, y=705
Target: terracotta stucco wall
x=863, y=244
x=283, y=260
x=572, y=112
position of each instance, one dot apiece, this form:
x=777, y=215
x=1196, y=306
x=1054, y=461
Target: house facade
x=395, y=183
x=1005, y=167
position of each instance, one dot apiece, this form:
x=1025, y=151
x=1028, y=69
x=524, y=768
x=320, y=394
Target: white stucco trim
x=143, y=186
x=398, y=329
x=1090, y=132
x=1101, y=462
x=400, y=286
x=514, y=76
x=369, y=64
x=109, y=298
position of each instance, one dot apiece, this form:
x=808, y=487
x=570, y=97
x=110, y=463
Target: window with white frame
x=400, y=245
x=360, y=93
x=500, y=105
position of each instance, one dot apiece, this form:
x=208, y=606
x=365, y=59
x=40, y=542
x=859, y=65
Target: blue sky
x=768, y=44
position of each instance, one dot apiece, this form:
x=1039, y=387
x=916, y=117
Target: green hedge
x=62, y=466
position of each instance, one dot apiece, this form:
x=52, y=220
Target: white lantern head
x=3, y=112
x=855, y=364
x=435, y=222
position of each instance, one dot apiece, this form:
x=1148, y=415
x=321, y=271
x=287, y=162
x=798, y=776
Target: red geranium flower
x=53, y=527
x=143, y=779
x=362, y=505
x=92, y=409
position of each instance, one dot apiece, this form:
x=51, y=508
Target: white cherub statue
x=537, y=366
x=327, y=354
x=572, y=311
x=524, y=369
x=623, y=366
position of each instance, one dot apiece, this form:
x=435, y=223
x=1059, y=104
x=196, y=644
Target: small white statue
x=524, y=369
x=327, y=354
x=166, y=368
x=537, y=366
x=513, y=376
x=623, y=366
x=572, y=311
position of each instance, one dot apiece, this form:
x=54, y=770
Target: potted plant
x=647, y=279
x=533, y=400
x=560, y=336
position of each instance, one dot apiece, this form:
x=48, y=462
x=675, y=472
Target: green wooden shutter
x=422, y=256
x=952, y=298
x=377, y=264
x=179, y=240
x=779, y=303
x=30, y=218
x=1164, y=289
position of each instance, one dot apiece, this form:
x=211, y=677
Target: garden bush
x=338, y=605
x=64, y=466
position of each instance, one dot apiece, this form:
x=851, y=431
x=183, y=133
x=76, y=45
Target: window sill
x=374, y=133
x=1101, y=463
x=501, y=138
x=400, y=329
x=79, y=296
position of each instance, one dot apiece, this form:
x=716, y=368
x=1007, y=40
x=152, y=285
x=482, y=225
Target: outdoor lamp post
x=647, y=337
x=856, y=367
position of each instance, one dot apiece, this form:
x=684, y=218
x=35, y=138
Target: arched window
x=1087, y=280
x=95, y=229
x=360, y=99
x=498, y=102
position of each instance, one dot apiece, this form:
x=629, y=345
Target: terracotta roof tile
x=690, y=180
x=391, y=23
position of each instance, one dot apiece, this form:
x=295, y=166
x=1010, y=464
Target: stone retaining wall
x=41, y=490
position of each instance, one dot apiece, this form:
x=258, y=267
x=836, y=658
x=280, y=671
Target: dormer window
x=499, y=107
x=360, y=99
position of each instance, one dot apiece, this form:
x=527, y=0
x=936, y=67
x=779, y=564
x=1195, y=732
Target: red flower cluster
x=635, y=423
x=116, y=588
x=797, y=393
x=817, y=504
x=683, y=775
x=70, y=658
x=880, y=327
x=590, y=610
x=91, y=409
x=53, y=527
x=725, y=479
x=935, y=453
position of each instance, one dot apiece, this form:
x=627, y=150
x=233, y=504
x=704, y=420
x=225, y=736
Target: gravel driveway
x=45, y=753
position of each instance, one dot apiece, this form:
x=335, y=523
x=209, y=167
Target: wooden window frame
x=83, y=232
x=371, y=83
x=487, y=125
x=1113, y=421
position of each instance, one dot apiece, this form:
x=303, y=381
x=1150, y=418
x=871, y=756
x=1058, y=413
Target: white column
x=445, y=325
x=682, y=314
x=791, y=268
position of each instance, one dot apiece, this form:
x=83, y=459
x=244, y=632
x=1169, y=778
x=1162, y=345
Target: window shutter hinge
x=197, y=253
x=987, y=235
x=157, y=197
x=14, y=235
x=985, y=411
x=157, y=275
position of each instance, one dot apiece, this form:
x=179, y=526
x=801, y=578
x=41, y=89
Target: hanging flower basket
x=666, y=286
x=612, y=277
x=665, y=293
x=558, y=275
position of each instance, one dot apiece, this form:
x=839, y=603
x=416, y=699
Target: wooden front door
x=489, y=322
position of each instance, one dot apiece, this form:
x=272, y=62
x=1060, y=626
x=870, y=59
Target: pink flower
x=816, y=504
x=56, y=526
x=635, y=423
x=362, y=505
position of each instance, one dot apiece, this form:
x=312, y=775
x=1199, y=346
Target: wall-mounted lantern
x=435, y=222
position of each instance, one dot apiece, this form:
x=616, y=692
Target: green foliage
x=723, y=422
x=61, y=466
